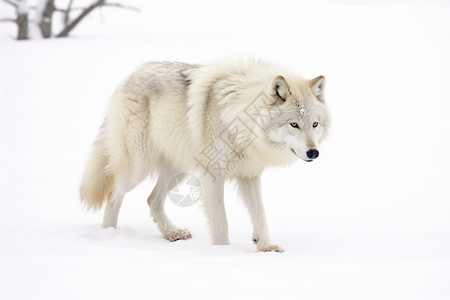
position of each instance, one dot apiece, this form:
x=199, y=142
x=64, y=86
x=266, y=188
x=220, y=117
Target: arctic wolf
x=224, y=121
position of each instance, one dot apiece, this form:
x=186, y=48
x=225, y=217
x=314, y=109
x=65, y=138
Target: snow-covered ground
x=369, y=220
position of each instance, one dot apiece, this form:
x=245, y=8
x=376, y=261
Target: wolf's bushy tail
x=96, y=184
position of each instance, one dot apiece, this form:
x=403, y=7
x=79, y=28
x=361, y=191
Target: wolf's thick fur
x=166, y=118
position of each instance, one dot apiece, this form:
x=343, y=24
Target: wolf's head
x=301, y=119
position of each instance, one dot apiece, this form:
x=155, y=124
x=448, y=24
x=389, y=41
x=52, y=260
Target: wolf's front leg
x=212, y=195
x=250, y=190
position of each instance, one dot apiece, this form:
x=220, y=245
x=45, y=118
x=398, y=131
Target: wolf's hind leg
x=123, y=185
x=125, y=180
x=112, y=209
x=156, y=202
x=250, y=190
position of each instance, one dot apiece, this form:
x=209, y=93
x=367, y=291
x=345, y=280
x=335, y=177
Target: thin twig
x=67, y=13
x=65, y=32
x=8, y=20
x=122, y=6
x=13, y=3
x=72, y=9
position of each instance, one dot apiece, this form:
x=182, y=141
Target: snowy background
x=370, y=219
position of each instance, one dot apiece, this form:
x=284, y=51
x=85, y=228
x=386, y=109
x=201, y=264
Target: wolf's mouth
x=295, y=153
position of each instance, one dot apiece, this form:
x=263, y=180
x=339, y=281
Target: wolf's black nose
x=312, y=153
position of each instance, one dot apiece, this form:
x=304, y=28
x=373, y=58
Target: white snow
x=40, y=7
x=22, y=7
x=370, y=219
x=34, y=30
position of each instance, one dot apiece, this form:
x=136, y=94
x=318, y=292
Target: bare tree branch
x=65, y=32
x=72, y=9
x=13, y=3
x=22, y=23
x=22, y=20
x=69, y=26
x=46, y=19
x=45, y=15
x=8, y=20
x=67, y=13
x=122, y=6
x=64, y=11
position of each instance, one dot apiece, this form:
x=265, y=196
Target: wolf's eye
x=295, y=125
x=315, y=124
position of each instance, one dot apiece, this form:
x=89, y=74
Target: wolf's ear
x=280, y=88
x=317, y=86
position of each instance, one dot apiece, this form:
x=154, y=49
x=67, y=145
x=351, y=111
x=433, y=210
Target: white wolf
x=224, y=121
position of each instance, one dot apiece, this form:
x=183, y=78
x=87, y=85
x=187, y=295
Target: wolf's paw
x=176, y=234
x=270, y=248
